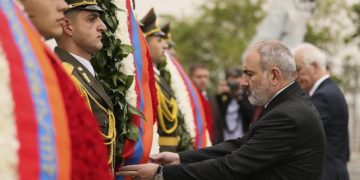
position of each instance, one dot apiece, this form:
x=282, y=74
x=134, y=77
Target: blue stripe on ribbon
x=197, y=107
x=48, y=163
x=139, y=147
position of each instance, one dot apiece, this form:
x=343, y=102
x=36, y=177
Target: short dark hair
x=195, y=67
x=233, y=72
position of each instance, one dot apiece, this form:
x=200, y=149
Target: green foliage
x=220, y=33
x=325, y=28
x=351, y=73
x=107, y=65
x=185, y=141
x=356, y=9
x=326, y=31
x=163, y=72
x=356, y=20
x=351, y=67
x=318, y=36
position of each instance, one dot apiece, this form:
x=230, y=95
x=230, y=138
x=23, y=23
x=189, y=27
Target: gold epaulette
x=68, y=67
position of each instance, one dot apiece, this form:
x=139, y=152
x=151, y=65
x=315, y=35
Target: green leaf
x=118, y=65
x=99, y=61
x=133, y=132
x=109, y=21
x=129, y=81
x=134, y=111
x=114, y=80
x=126, y=49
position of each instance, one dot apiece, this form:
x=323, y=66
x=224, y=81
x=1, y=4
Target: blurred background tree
x=219, y=35
x=326, y=27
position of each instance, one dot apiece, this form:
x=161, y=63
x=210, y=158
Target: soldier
x=170, y=43
x=167, y=108
x=195, y=131
x=81, y=39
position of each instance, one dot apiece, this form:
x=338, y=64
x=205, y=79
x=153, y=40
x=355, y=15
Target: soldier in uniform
x=167, y=108
x=81, y=39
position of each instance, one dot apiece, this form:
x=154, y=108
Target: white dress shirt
x=317, y=84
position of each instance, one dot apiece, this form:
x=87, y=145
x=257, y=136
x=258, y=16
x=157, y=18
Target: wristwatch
x=159, y=173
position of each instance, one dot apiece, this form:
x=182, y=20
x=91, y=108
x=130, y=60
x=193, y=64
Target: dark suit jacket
x=286, y=143
x=331, y=104
x=92, y=85
x=246, y=112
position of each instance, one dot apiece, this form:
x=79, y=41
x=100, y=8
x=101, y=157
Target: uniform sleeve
x=273, y=140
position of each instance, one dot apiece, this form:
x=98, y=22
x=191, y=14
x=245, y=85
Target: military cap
x=90, y=5
x=166, y=30
x=149, y=26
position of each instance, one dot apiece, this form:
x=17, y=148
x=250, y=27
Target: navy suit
x=331, y=104
x=286, y=143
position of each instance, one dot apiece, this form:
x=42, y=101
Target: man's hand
x=139, y=172
x=165, y=158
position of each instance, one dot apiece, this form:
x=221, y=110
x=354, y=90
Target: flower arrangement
x=8, y=140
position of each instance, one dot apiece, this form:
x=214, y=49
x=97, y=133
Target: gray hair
x=275, y=54
x=311, y=54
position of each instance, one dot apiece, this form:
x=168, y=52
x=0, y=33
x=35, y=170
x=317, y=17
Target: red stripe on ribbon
x=27, y=129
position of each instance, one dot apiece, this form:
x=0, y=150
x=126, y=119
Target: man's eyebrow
x=247, y=71
x=93, y=15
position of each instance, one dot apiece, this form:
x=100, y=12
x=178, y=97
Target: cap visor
x=89, y=8
x=159, y=33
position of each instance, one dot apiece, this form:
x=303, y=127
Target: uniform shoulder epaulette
x=68, y=67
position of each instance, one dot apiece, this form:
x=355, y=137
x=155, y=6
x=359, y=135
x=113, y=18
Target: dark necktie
x=257, y=114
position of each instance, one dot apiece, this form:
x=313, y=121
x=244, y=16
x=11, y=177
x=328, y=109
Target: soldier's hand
x=165, y=158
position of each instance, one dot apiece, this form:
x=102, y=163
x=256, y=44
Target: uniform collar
x=85, y=63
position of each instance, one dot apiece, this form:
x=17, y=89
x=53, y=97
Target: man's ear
x=275, y=76
x=67, y=27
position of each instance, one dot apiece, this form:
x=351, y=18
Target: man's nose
x=243, y=82
x=102, y=26
x=165, y=44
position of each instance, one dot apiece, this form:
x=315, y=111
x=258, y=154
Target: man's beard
x=260, y=96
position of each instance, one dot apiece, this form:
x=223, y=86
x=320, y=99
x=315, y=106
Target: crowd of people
x=279, y=116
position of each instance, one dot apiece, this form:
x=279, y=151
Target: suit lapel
x=322, y=84
x=84, y=76
x=282, y=96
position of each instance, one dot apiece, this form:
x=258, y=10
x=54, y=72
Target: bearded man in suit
x=286, y=142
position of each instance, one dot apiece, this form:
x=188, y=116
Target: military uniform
x=95, y=96
x=167, y=109
x=90, y=86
